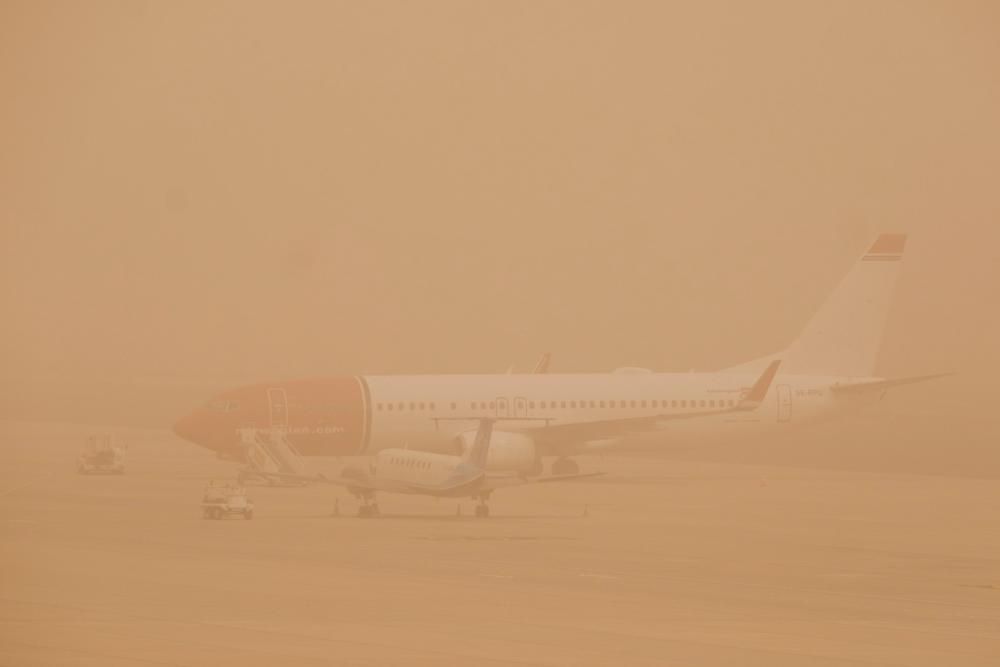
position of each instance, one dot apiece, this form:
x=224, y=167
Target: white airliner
x=413, y=472
x=826, y=372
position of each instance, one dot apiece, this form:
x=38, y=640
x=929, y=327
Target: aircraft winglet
x=759, y=390
x=543, y=364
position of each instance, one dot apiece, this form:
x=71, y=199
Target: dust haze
x=196, y=196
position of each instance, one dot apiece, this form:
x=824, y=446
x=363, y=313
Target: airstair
x=270, y=455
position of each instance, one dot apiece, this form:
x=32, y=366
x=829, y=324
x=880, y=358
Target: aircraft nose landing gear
x=482, y=509
x=369, y=508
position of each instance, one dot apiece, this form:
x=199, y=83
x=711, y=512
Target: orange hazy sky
x=228, y=191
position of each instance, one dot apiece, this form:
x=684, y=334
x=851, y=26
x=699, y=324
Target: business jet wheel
x=368, y=511
x=565, y=467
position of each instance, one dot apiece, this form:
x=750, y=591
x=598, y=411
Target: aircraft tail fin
x=843, y=338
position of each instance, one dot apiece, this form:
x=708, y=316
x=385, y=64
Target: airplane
x=827, y=372
x=414, y=472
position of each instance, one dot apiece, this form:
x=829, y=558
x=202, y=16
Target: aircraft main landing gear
x=564, y=466
x=482, y=509
x=368, y=509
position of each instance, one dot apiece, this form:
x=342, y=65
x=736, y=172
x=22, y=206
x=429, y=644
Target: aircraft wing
x=354, y=482
x=493, y=483
x=610, y=428
x=880, y=385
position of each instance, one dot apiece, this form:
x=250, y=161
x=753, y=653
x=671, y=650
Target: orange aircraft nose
x=186, y=428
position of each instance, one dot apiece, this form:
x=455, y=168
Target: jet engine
x=509, y=452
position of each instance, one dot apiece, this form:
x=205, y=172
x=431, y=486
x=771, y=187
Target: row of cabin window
x=412, y=463
x=543, y=405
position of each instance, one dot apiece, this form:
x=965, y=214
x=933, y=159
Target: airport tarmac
x=658, y=563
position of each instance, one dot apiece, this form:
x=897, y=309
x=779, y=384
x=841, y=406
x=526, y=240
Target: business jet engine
x=509, y=452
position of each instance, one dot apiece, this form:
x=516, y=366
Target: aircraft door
x=520, y=407
x=511, y=407
x=277, y=401
x=784, y=403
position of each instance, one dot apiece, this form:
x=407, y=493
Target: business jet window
x=454, y=406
